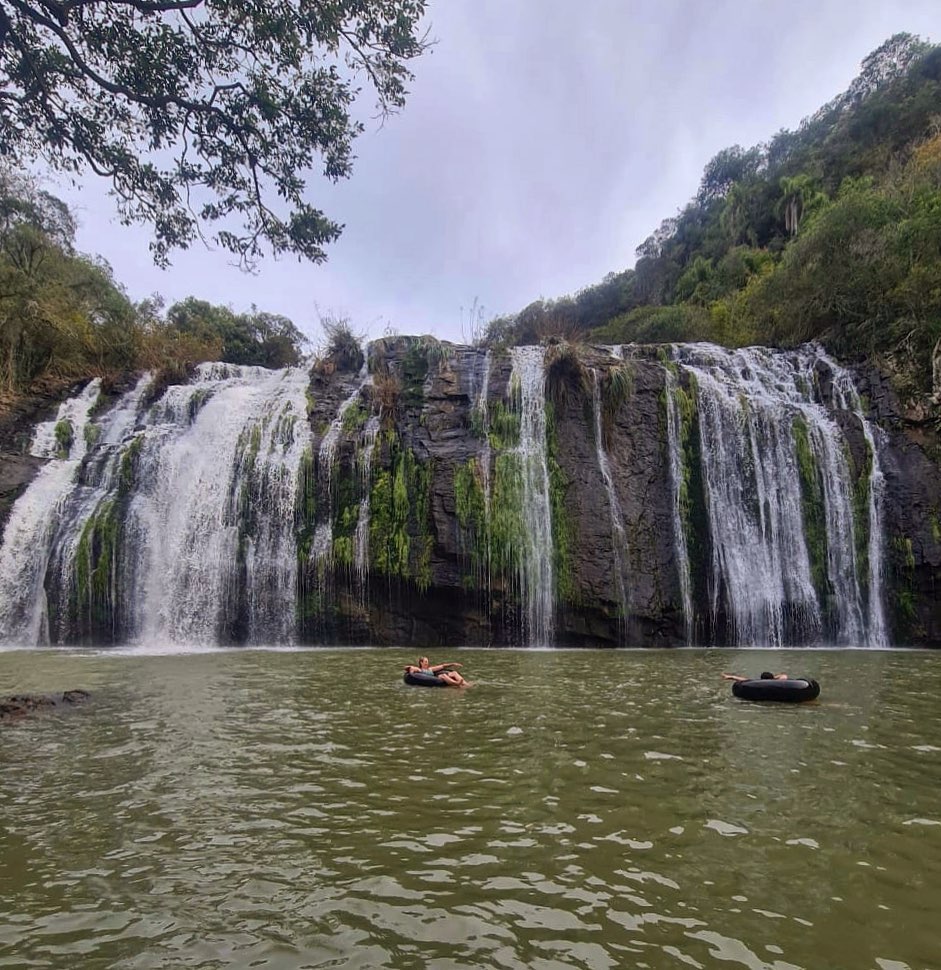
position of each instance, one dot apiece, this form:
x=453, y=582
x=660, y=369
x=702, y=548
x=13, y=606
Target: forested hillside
x=831, y=232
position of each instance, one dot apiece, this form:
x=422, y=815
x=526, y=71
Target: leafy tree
x=61, y=314
x=24, y=204
x=799, y=195
x=259, y=338
x=731, y=165
x=203, y=114
x=696, y=285
x=594, y=305
x=656, y=325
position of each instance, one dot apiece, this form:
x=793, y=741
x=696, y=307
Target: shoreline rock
x=18, y=706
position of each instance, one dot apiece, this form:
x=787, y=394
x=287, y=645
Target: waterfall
x=618, y=537
x=361, y=537
x=209, y=531
x=535, y=560
x=263, y=501
x=47, y=438
x=675, y=452
x=179, y=525
x=848, y=398
x=95, y=486
x=878, y=633
x=208, y=515
x=25, y=548
x=766, y=438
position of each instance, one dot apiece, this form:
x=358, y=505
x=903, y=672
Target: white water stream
x=535, y=570
x=25, y=547
x=748, y=401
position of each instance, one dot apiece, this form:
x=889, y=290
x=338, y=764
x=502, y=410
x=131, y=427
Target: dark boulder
x=18, y=706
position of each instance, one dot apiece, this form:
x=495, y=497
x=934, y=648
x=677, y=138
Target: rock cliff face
x=447, y=442
x=560, y=495
x=619, y=491
x=913, y=515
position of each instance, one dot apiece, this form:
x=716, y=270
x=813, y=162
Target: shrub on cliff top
x=342, y=347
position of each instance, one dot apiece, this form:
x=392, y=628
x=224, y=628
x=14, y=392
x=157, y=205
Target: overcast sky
x=543, y=140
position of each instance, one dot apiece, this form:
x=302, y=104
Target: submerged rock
x=17, y=706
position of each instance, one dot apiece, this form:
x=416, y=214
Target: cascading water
x=535, y=560
x=675, y=452
x=848, y=398
x=263, y=502
x=25, y=547
x=90, y=498
x=618, y=536
x=205, y=518
x=213, y=512
x=361, y=536
x=757, y=409
x=181, y=527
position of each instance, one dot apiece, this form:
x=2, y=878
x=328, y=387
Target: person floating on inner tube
x=765, y=675
x=441, y=671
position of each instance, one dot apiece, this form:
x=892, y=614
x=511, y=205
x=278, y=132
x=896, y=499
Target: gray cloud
x=542, y=141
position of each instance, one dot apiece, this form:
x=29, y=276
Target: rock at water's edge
x=20, y=705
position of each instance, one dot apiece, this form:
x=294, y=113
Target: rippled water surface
x=574, y=809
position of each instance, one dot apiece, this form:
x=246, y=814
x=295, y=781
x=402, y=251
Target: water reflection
x=575, y=810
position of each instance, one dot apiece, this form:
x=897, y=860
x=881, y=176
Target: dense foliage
x=204, y=115
x=830, y=232
x=63, y=317
x=257, y=337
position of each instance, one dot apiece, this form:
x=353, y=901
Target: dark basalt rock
x=435, y=420
x=18, y=706
x=910, y=456
x=16, y=472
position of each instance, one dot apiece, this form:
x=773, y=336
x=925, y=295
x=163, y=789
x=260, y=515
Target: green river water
x=591, y=809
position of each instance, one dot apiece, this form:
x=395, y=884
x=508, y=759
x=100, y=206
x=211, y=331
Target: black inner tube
x=423, y=679
x=789, y=691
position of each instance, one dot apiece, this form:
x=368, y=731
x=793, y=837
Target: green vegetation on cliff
x=400, y=539
x=812, y=509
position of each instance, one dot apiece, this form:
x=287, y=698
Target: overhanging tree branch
x=235, y=103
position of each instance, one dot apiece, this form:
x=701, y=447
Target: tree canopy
x=204, y=115
x=260, y=338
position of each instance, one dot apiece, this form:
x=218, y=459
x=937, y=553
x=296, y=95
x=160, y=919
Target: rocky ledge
x=20, y=705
